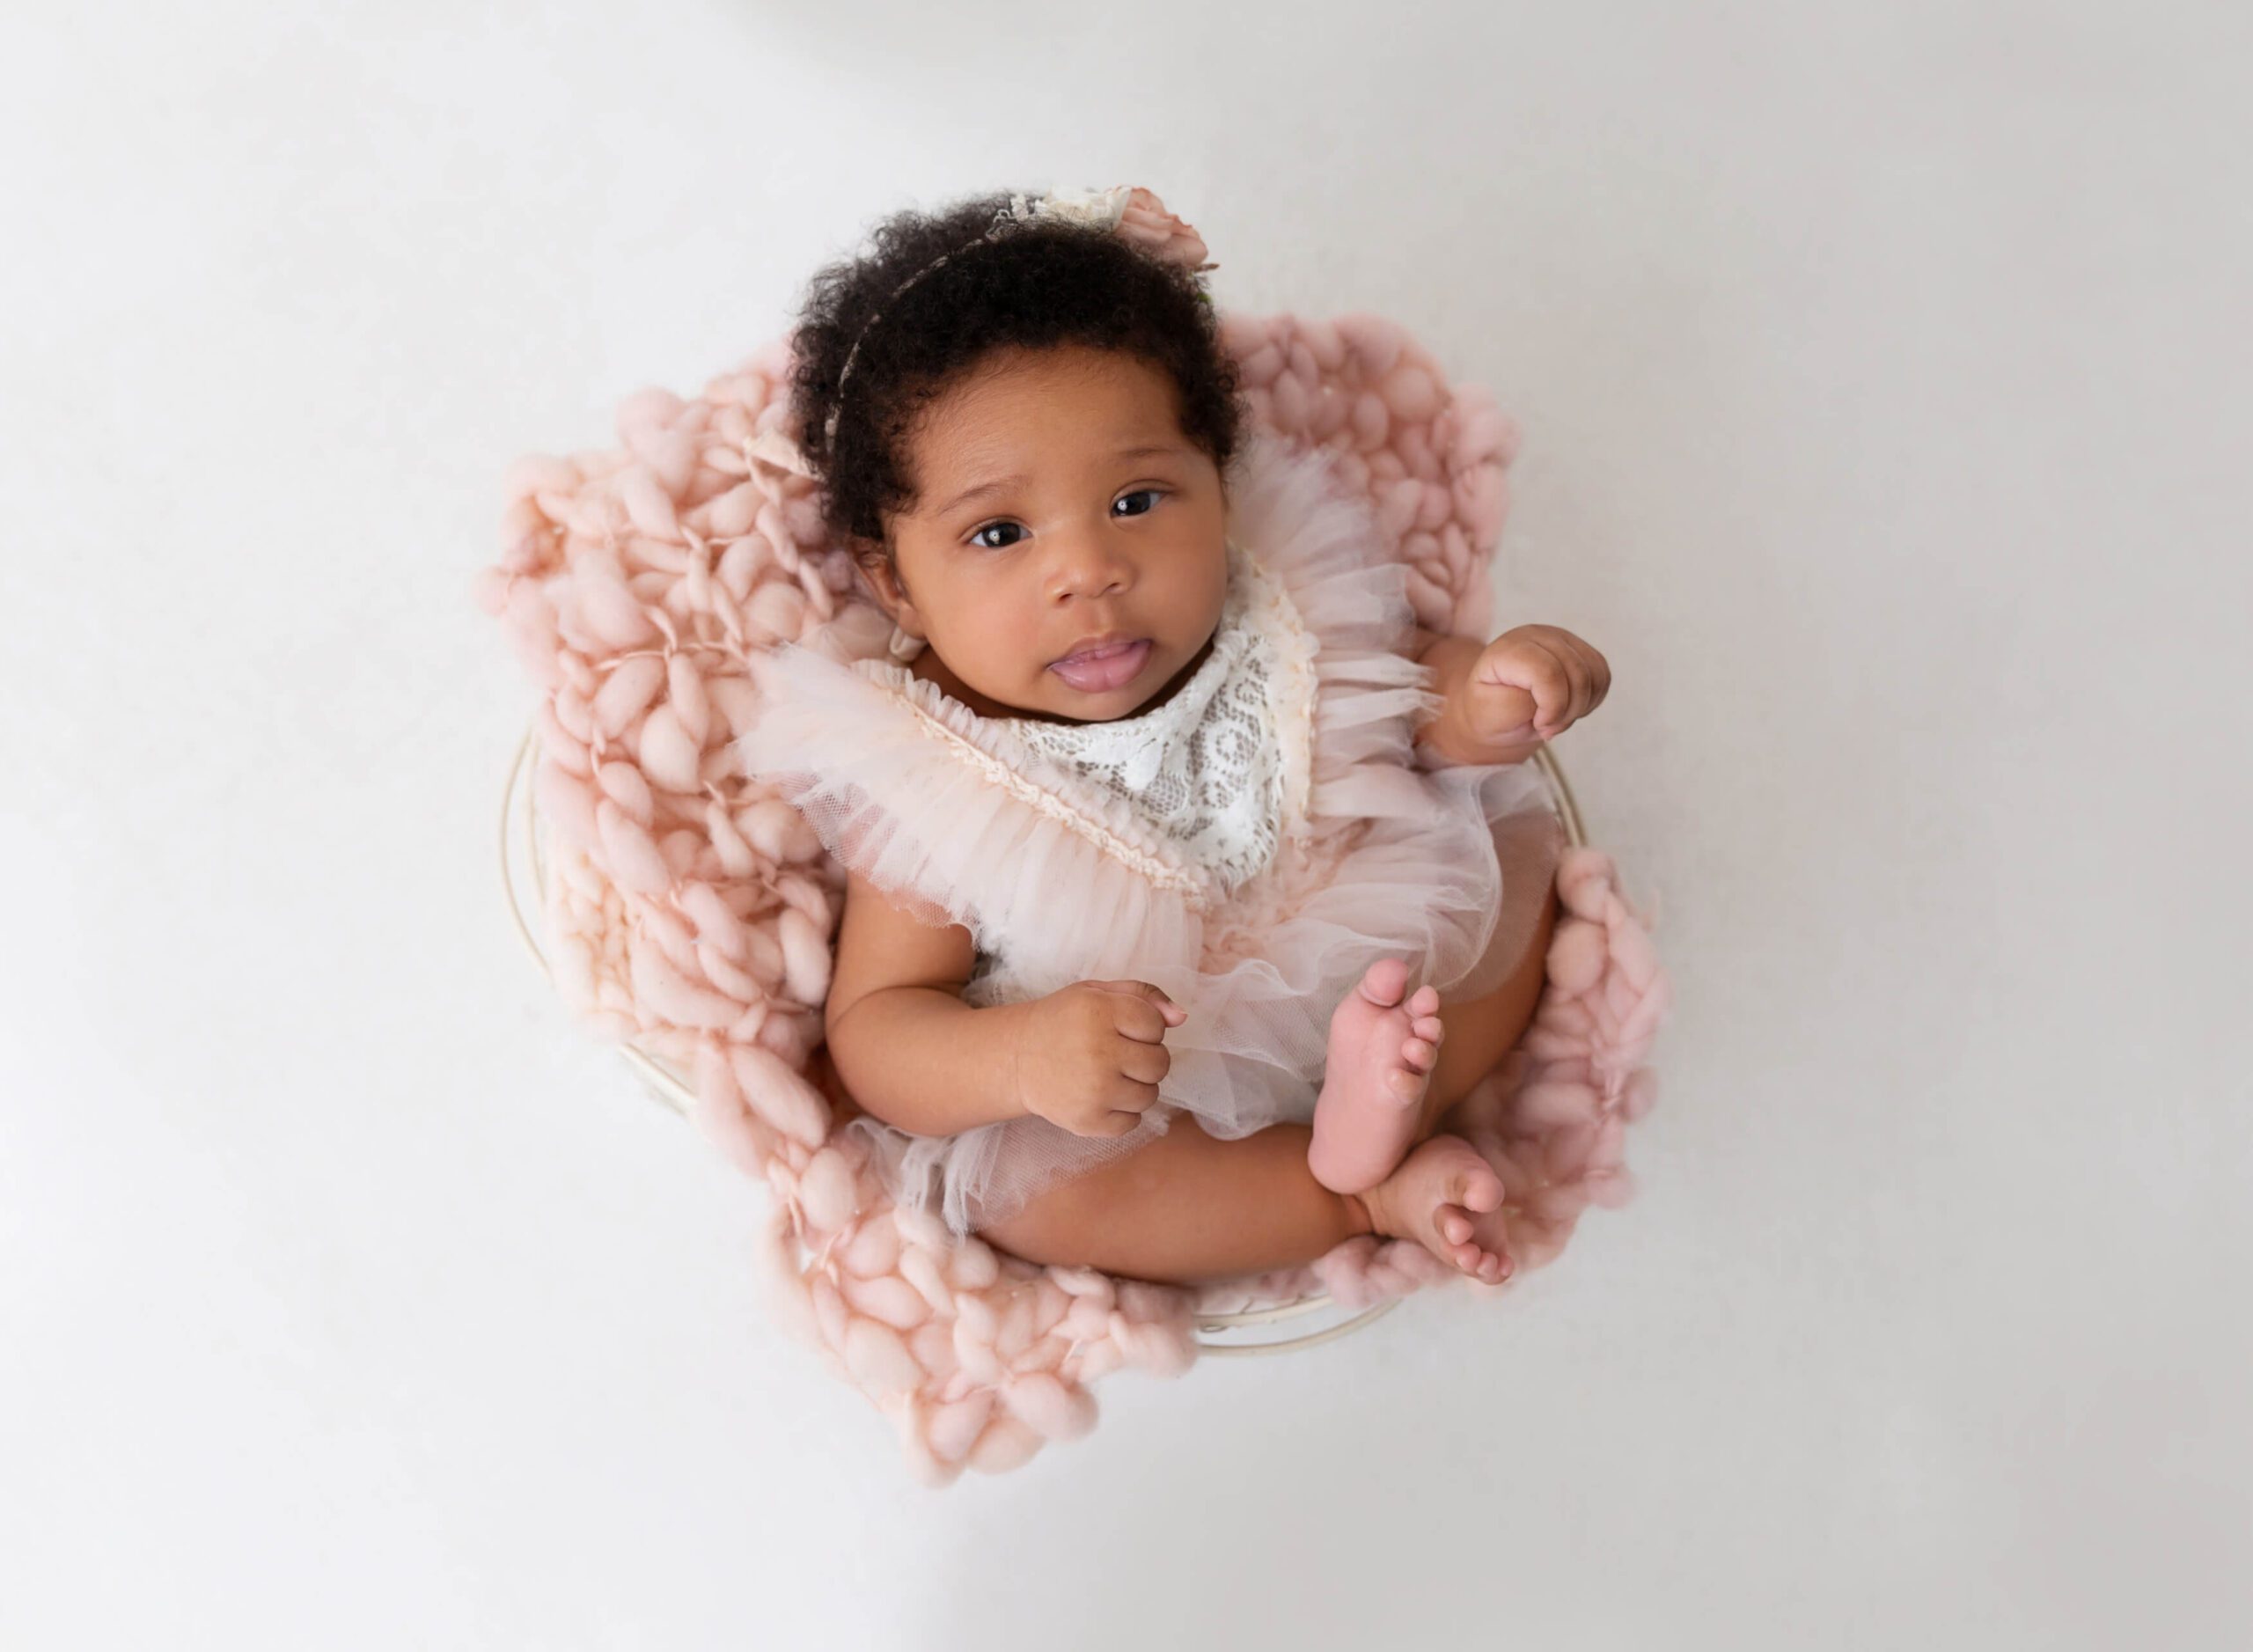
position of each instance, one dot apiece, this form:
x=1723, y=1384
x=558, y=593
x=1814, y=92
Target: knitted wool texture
x=692, y=913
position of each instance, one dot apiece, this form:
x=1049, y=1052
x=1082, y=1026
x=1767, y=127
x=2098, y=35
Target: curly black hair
x=1038, y=284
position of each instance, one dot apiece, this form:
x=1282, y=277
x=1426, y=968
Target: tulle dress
x=1250, y=845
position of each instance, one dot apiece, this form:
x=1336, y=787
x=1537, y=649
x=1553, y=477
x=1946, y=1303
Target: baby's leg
x=1397, y=1062
x=1188, y=1207
x=1480, y=1032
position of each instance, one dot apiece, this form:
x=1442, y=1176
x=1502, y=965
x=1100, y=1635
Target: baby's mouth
x=1101, y=669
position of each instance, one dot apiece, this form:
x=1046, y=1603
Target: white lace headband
x=1133, y=212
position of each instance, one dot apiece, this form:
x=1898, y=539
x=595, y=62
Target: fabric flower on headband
x=1136, y=213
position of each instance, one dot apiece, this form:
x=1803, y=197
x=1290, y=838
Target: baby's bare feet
x=1381, y=1053
x=1448, y=1200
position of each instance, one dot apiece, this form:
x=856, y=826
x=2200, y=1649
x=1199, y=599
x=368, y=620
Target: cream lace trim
x=1193, y=889
x=1294, y=683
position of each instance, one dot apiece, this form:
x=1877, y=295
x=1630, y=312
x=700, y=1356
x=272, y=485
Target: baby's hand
x=1532, y=683
x=1092, y=1054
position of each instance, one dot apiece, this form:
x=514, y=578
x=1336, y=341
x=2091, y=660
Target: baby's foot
x=1381, y=1053
x=1448, y=1200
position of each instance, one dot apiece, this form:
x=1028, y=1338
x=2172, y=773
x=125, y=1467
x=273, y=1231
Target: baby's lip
x=1109, y=643
x=1106, y=669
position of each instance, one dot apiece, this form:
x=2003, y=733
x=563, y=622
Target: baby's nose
x=1090, y=569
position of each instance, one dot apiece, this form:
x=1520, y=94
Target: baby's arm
x=1088, y=1058
x=906, y=1047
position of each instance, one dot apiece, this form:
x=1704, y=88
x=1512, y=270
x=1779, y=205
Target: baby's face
x=1039, y=533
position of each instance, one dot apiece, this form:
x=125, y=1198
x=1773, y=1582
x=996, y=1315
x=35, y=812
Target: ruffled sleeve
x=1352, y=697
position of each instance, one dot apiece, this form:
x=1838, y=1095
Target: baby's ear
x=876, y=566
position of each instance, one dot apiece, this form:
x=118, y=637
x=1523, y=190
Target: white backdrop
x=1882, y=368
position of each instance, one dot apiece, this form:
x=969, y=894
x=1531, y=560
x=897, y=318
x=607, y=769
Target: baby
x=1160, y=798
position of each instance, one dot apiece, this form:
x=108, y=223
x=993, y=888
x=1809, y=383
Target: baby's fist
x=1530, y=684
x=1092, y=1054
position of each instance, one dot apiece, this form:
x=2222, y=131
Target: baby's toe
x=1475, y=1187
x=1419, y=1054
x=1425, y=1002
x=1431, y=1029
x=1454, y=1226
x=1384, y=980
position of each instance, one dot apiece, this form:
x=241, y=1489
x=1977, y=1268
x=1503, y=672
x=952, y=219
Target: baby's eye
x=989, y=528
x=1154, y=494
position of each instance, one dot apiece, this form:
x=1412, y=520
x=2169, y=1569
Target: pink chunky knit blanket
x=693, y=914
